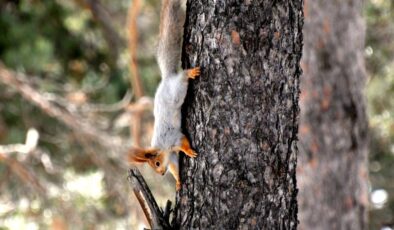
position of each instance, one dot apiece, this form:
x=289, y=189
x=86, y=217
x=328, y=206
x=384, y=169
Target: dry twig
x=29, y=145
x=135, y=79
x=77, y=123
x=23, y=173
x=156, y=217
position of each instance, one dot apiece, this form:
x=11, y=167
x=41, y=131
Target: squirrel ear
x=134, y=159
x=150, y=153
x=139, y=155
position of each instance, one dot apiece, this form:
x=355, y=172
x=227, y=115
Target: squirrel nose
x=163, y=173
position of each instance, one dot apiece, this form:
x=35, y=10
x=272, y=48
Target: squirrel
x=168, y=139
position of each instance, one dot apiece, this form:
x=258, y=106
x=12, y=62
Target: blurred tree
x=332, y=173
x=241, y=115
x=380, y=65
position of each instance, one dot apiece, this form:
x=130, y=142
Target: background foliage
x=380, y=93
x=66, y=50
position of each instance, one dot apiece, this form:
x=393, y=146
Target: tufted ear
x=140, y=155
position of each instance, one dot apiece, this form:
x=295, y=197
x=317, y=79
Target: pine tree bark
x=241, y=115
x=332, y=171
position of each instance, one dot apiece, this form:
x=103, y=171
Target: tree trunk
x=241, y=115
x=332, y=172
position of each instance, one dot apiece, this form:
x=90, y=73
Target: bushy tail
x=171, y=31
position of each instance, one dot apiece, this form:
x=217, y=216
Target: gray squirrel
x=168, y=139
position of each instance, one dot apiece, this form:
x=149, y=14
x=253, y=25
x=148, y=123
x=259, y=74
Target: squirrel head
x=156, y=158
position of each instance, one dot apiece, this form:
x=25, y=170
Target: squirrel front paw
x=191, y=153
x=193, y=73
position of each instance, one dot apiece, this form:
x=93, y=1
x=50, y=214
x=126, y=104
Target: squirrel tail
x=170, y=38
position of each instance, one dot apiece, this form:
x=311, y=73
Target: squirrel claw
x=193, y=73
x=191, y=154
x=178, y=186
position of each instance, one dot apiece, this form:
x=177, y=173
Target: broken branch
x=155, y=217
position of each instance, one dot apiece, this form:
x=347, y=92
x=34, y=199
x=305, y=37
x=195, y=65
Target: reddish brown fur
x=193, y=73
x=157, y=158
x=150, y=156
x=185, y=147
x=163, y=16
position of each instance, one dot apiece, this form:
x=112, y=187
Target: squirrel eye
x=157, y=163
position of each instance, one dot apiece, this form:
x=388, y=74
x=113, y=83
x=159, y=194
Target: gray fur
x=167, y=111
x=172, y=89
x=170, y=38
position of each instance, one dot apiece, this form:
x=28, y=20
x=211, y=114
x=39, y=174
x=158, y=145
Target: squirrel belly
x=169, y=98
x=168, y=139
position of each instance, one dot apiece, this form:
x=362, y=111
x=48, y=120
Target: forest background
x=81, y=66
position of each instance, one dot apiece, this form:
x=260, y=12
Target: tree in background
x=242, y=115
x=332, y=172
x=380, y=65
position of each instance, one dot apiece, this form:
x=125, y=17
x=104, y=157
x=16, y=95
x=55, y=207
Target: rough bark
x=241, y=115
x=332, y=172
